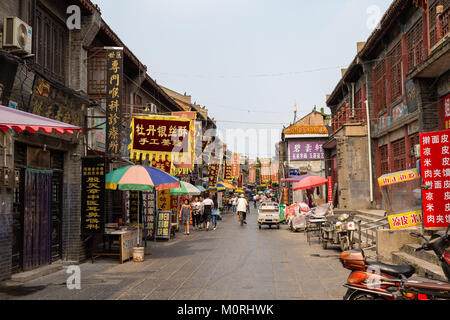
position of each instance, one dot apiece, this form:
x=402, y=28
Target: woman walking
x=201, y=219
x=196, y=213
x=185, y=215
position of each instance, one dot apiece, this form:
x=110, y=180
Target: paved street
x=232, y=262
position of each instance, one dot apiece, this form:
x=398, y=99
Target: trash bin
x=138, y=254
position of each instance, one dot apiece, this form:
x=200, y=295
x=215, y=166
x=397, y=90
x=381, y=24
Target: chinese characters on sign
x=330, y=190
x=252, y=174
x=213, y=174
x=274, y=171
x=135, y=206
x=114, y=80
x=306, y=151
x=265, y=171
x=163, y=138
x=148, y=206
x=435, y=165
x=235, y=165
x=405, y=220
x=93, y=195
x=228, y=172
x=393, y=178
x=163, y=225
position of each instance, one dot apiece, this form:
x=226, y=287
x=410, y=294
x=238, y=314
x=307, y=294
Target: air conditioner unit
x=17, y=35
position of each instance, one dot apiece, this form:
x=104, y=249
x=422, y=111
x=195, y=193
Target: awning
x=19, y=121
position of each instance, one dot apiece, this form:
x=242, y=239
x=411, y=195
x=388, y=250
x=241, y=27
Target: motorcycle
x=378, y=281
x=339, y=230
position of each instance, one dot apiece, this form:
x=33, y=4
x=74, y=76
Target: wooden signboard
x=163, y=225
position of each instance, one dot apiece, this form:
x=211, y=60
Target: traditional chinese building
x=301, y=151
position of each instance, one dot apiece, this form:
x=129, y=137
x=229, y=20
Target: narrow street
x=230, y=263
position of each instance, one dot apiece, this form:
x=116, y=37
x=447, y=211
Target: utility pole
x=295, y=112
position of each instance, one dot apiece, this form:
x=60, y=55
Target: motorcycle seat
x=393, y=270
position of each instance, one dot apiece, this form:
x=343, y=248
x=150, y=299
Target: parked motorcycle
x=339, y=230
x=378, y=281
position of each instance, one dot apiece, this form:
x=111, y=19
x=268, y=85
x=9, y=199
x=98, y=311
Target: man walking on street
x=242, y=206
x=234, y=203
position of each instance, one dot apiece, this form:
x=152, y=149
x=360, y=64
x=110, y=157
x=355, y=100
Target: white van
x=269, y=214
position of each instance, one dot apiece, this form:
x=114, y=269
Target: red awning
x=19, y=121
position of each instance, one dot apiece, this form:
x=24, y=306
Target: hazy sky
x=247, y=61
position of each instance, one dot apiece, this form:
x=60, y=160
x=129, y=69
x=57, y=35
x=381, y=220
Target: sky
x=248, y=61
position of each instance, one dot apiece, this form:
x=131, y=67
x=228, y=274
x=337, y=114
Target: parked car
x=269, y=214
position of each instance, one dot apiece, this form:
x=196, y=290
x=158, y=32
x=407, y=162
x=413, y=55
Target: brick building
x=402, y=71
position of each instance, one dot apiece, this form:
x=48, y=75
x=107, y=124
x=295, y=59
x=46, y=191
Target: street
x=230, y=263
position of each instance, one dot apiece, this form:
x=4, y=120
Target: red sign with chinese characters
x=330, y=190
x=235, y=165
x=435, y=167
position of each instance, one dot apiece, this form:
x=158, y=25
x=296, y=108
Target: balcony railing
x=347, y=115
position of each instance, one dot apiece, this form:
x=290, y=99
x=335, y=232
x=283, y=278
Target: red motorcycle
x=378, y=281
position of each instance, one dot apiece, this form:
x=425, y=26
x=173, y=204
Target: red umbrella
x=310, y=182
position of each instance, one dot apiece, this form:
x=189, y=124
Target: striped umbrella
x=185, y=189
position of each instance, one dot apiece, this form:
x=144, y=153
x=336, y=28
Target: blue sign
x=294, y=172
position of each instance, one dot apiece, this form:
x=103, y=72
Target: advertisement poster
x=235, y=165
x=330, y=190
x=148, y=208
x=405, y=220
x=163, y=225
x=435, y=165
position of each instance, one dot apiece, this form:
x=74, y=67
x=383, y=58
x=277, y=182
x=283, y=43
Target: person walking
x=214, y=214
x=196, y=213
x=242, y=206
x=200, y=219
x=185, y=215
x=208, y=205
x=234, y=203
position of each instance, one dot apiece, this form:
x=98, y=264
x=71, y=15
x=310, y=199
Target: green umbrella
x=185, y=189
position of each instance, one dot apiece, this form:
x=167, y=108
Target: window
x=414, y=45
x=360, y=110
x=97, y=74
x=435, y=36
x=380, y=87
x=395, y=66
x=49, y=37
x=398, y=149
x=414, y=139
x=384, y=159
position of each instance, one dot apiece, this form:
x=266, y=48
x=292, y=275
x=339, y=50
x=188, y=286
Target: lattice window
x=97, y=74
x=398, y=150
x=384, y=159
x=414, y=45
x=380, y=87
x=413, y=139
x=395, y=64
x=443, y=19
x=50, y=37
x=360, y=110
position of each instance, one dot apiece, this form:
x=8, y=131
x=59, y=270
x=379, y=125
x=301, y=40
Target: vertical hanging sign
x=330, y=190
x=114, y=87
x=93, y=196
x=435, y=165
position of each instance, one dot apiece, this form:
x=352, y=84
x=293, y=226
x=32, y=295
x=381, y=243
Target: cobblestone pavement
x=230, y=263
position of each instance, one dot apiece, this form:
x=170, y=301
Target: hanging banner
x=285, y=195
x=93, y=195
x=265, y=171
x=135, y=207
x=188, y=167
x=162, y=138
x=274, y=172
x=114, y=86
x=163, y=225
x=213, y=174
x=397, y=177
x=235, y=165
x=252, y=174
x=240, y=180
x=164, y=202
x=330, y=190
x=228, y=172
x=435, y=166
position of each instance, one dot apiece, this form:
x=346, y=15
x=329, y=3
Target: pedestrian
x=201, y=220
x=242, y=206
x=214, y=214
x=234, y=203
x=208, y=205
x=185, y=215
x=196, y=213
x=230, y=203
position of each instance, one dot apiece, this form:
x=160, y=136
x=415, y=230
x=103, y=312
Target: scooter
x=378, y=281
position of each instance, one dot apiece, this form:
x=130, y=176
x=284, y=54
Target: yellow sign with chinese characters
x=405, y=220
x=398, y=177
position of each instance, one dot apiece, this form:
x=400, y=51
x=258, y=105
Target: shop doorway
x=37, y=208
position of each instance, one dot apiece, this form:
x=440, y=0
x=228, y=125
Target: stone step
x=423, y=268
x=26, y=276
x=429, y=256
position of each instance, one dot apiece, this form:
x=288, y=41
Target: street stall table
x=314, y=229
x=126, y=238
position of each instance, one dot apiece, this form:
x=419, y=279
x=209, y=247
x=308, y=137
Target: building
x=402, y=72
x=301, y=152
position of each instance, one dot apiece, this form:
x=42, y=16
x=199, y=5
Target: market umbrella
x=248, y=191
x=185, y=189
x=140, y=178
x=201, y=188
x=239, y=191
x=226, y=185
x=310, y=182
